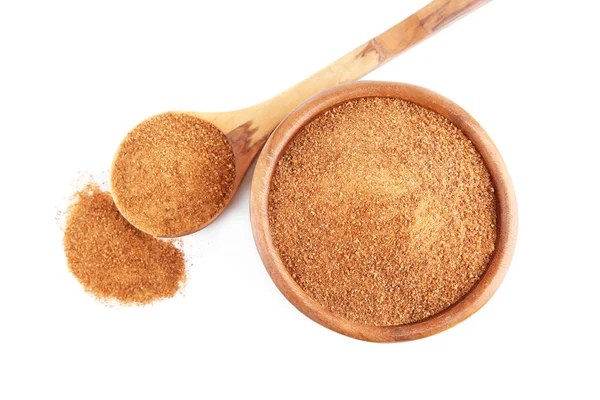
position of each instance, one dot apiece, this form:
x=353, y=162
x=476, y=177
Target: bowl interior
x=505, y=208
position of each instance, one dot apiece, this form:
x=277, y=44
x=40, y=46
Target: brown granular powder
x=112, y=259
x=383, y=212
x=172, y=174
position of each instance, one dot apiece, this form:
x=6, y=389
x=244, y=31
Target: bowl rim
x=506, y=208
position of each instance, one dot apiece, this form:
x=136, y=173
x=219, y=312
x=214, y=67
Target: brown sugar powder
x=172, y=174
x=112, y=259
x=383, y=212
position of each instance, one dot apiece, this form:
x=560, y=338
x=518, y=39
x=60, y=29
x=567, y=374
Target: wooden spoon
x=248, y=129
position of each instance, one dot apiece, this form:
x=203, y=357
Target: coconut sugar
x=112, y=259
x=383, y=212
x=172, y=174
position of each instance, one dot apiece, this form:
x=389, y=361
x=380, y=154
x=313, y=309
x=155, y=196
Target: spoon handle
x=256, y=123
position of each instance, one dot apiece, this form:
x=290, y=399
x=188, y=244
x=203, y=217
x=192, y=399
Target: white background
x=75, y=77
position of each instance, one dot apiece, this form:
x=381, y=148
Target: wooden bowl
x=505, y=203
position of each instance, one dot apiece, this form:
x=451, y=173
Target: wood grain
x=505, y=197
